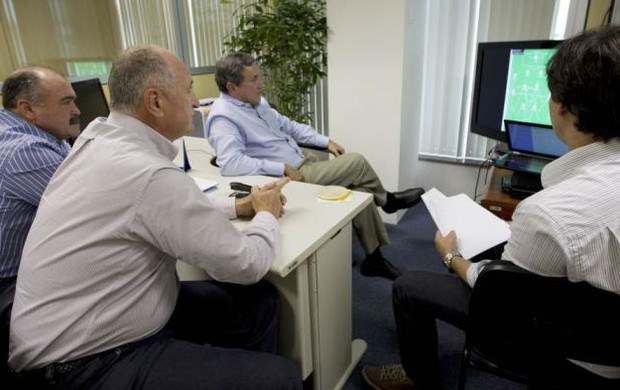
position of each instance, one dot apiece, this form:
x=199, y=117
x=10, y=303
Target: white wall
x=374, y=69
x=365, y=57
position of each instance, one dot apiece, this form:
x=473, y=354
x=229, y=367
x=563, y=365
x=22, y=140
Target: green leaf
x=289, y=38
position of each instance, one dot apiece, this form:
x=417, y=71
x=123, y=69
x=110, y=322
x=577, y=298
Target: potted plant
x=289, y=39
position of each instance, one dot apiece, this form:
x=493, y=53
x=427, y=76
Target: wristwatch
x=447, y=259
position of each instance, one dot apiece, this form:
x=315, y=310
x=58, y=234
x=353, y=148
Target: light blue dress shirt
x=29, y=157
x=256, y=140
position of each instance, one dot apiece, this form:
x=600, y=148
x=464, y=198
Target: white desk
x=312, y=272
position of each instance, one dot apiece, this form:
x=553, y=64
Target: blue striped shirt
x=29, y=157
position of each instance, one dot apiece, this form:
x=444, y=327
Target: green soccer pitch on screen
x=527, y=95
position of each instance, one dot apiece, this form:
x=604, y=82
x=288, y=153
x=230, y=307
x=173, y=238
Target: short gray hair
x=24, y=83
x=230, y=69
x=133, y=71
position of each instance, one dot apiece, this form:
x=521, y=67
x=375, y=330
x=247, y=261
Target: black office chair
x=319, y=152
x=214, y=161
x=524, y=327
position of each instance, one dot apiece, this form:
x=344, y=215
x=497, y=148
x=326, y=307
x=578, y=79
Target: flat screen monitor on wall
x=510, y=83
x=91, y=100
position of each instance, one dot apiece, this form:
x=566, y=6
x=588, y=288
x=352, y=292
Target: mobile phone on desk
x=237, y=186
x=239, y=194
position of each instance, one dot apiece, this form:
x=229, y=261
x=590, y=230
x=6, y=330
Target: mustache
x=75, y=120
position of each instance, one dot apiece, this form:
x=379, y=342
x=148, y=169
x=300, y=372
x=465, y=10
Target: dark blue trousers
x=420, y=298
x=7, y=292
x=220, y=336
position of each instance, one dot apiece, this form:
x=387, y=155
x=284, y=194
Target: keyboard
x=525, y=163
x=521, y=163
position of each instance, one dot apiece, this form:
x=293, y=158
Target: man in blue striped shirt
x=39, y=115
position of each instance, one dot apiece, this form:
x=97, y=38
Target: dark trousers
x=220, y=336
x=7, y=292
x=420, y=298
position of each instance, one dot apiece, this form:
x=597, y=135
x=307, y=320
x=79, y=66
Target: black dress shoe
x=402, y=199
x=382, y=268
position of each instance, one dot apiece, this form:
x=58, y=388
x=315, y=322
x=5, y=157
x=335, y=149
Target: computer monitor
x=91, y=100
x=510, y=83
x=536, y=140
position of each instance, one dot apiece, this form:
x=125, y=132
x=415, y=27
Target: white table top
x=308, y=221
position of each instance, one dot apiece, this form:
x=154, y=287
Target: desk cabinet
x=497, y=201
x=334, y=354
x=294, y=326
x=316, y=312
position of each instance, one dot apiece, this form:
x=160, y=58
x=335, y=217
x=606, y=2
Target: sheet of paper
x=477, y=229
x=204, y=184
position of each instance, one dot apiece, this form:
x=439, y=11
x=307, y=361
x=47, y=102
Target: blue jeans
x=220, y=336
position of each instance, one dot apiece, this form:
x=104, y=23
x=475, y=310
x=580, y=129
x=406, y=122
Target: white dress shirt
x=98, y=268
x=572, y=227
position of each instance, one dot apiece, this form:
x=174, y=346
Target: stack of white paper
x=476, y=228
x=204, y=184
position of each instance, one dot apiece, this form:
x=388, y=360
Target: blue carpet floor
x=412, y=248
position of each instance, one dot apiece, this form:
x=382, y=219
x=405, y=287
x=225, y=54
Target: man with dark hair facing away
x=569, y=229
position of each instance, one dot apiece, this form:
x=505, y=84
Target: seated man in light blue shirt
x=252, y=138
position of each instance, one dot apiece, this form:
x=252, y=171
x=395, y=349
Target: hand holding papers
x=477, y=229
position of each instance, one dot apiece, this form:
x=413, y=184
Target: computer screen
x=510, y=83
x=534, y=139
x=527, y=95
x=91, y=100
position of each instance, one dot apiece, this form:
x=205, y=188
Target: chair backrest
x=198, y=120
x=320, y=154
x=521, y=319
